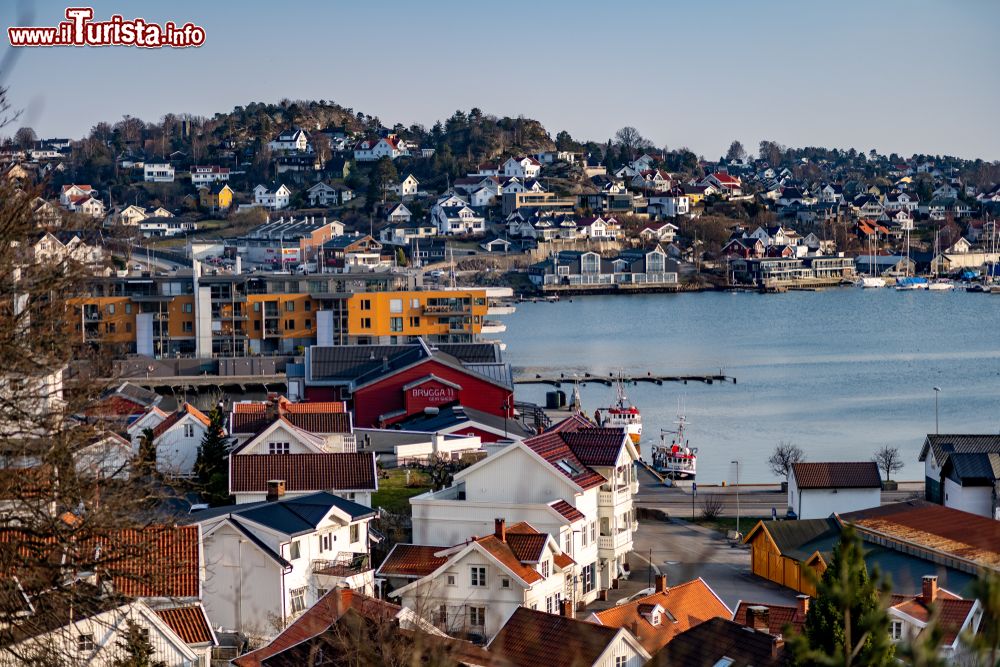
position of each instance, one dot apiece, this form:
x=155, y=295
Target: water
x=839, y=373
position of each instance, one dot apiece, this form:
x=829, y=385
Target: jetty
x=609, y=380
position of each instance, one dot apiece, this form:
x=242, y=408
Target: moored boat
x=622, y=414
x=870, y=282
x=676, y=459
x=941, y=285
x=911, y=283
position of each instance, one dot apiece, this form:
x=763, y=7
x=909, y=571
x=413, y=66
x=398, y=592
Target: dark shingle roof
x=531, y=637
x=837, y=475
x=800, y=539
x=290, y=516
x=341, y=471
x=708, y=643
x=943, y=445
x=411, y=560
x=973, y=469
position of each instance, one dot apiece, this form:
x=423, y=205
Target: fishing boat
x=676, y=459
x=622, y=414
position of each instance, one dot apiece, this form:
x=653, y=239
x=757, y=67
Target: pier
x=609, y=380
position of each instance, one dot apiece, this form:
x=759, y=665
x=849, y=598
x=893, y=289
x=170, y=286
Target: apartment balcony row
x=451, y=309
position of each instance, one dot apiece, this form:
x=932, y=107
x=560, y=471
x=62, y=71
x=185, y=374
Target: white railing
x=620, y=539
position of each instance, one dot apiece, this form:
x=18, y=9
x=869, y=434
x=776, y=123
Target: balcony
x=451, y=309
x=618, y=542
x=608, y=497
x=351, y=569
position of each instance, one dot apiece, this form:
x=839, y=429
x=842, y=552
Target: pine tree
x=985, y=644
x=211, y=467
x=848, y=623
x=147, y=453
x=135, y=649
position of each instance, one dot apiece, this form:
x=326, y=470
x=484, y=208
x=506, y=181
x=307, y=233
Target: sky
x=905, y=76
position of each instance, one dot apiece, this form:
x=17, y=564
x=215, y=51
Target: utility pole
x=937, y=428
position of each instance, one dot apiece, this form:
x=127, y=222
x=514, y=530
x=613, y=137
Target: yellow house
x=218, y=197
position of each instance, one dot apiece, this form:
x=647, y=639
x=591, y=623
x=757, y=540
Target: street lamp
x=937, y=429
x=737, y=495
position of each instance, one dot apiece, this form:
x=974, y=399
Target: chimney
x=500, y=529
x=661, y=583
x=566, y=609
x=758, y=618
x=271, y=410
x=275, y=489
x=802, y=602
x=346, y=598
x=930, y=589
x=777, y=643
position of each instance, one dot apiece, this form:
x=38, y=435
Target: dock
x=609, y=380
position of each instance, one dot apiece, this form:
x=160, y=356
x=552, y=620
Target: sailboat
x=908, y=282
x=871, y=280
x=622, y=414
x=938, y=284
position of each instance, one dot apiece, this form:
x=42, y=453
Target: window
x=128, y=308
x=442, y=615
x=128, y=327
x=593, y=531
x=320, y=592
x=111, y=328
x=583, y=537
x=621, y=660
x=289, y=306
x=544, y=567
x=451, y=580
x=896, y=630
x=414, y=322
x=396, y=324
x=289, y=325
x=325, y=542
x=366, y=323
x=395, y=305
x=477, y=617
x=85, y=643
x=111, y=309
x=278, y=448
x=355, y=532
x=256, y=307
x=298, y=598
x=414, y=303
x=504, y=582
x=188, y=430
x=478, y=576
x=589, y=578
x=188, y=327
x=366, y=304
x=309, y=306
x=308, y=324
x=293, y=550
x=188, y=308
x=550, y=604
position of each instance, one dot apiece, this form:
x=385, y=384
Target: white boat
x=909, y=287
x=622, y=414
x=869, y=282
x=676, y=460
x=941, y=286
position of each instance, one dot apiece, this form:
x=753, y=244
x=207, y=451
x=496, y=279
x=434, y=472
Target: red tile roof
x=952, y=610
x=574, y=444
x=156, y=561
x=569, y=512
x=318, y=619
x=249, y=473
x=837, y=475
x=778, y=616
x=189, y=623
x=318, y=417
x=504, y=553
x=411, y=560
x=688, y=604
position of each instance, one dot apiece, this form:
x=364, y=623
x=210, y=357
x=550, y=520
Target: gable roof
x=291, y=516
x=340, y=471
x=837, y=475
x=946, y=444
x=411, y=561
x=707, y=644
x=315, y=417
x=189, y=623
x=801, y=538
x=685, y=606
x=979, y=469
x=179, y=414
x=778, y=616
x=531, y=637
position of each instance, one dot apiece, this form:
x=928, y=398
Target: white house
x=668, y=205
x=817, y=490
x=399, y=214
x=96, y=638
x=370, y=150
x=521, y=167
x=408, y=187
x=660, y=232
x=580, y=494
x=475, y=586
x=901, y=201
x=158, y=172
x=266, y=563
x=304, y=462
x=957, y=617
x=323, y=194
x=208, y=174
x=454, y=220
x=483, y=197
x=959, y=472
x=274, y=197
x=177, y=439
x=294, y=139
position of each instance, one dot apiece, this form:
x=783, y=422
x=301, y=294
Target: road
x=755, y=500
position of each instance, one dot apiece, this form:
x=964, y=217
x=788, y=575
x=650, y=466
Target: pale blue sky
x=896, y=75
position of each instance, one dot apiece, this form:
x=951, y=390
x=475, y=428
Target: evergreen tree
x=135, y=649
x=211, y=467
x=147, y=453
x=985, y=644
x=847, y=624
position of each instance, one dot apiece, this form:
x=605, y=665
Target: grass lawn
x=394, y=495
x=724, y=524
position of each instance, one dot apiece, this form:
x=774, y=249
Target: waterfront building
x=587, y=269
x=816, y=490
x=961, y=471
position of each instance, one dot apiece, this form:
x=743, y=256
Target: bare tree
x=736, y=151
x=889, y=460
x=25, y=137
x=631, y=141
x=711, y=507
x=784, y=455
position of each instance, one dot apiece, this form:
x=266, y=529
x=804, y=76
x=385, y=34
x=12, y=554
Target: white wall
x=974, y=499
x=176, y=453
x=821, y=503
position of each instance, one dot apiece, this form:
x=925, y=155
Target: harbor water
x=840, y=373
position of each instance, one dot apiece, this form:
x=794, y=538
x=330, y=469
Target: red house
x=390, y=383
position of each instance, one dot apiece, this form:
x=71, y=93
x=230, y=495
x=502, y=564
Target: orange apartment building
x=239, y=315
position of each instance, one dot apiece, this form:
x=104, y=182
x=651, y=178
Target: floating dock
x=609, y=380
